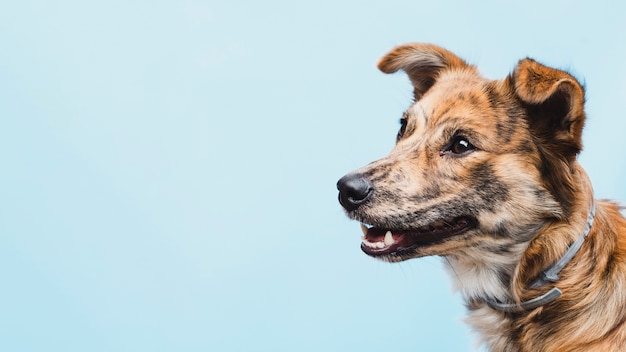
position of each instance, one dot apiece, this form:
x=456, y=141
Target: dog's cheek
x=489, y=189
x=514, y=200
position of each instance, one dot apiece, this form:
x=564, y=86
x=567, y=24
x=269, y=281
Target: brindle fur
x=522, y=184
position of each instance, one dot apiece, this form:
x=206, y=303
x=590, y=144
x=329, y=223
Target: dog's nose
x=354, y=190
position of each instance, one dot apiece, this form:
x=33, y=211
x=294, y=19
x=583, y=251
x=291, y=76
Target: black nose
x=354, y=190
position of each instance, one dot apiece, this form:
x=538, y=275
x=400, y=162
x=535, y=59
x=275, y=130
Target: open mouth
x=379, y=242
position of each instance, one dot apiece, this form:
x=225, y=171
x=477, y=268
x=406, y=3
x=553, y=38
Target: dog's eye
x=403, y=122
x=460, y=146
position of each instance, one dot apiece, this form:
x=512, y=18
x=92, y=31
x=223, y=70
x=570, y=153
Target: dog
x=484, y=173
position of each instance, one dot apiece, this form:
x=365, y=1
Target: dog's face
x=478, y=164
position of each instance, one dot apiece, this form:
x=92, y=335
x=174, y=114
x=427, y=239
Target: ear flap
x=555, y=103
x=422, y=62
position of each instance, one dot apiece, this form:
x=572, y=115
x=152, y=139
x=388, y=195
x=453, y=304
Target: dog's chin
x=398, y=245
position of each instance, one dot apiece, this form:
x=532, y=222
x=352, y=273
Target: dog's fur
x=500, y=156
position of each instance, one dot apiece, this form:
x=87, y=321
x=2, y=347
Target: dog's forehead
x=456, y=94
x=456, y=86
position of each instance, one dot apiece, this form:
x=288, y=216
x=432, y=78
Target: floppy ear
x=555, y=104
x=422, y=62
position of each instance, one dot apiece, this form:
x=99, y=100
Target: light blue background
x=168, y=168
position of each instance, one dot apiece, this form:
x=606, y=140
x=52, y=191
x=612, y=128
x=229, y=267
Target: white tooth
x=364, y=229
x=388, y=239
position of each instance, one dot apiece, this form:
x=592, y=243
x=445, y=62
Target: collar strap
x=549, y=275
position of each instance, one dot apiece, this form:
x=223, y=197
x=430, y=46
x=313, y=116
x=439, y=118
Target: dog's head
x=477, y=162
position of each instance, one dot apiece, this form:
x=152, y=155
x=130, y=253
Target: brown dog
x=485, y=174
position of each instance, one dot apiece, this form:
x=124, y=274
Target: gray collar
x=549, y=275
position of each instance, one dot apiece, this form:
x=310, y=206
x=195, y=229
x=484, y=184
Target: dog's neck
x=483, y=277
x=489, y=277
x=550, y=275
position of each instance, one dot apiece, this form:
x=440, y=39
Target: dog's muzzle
x=354, y=190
